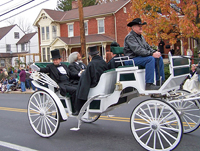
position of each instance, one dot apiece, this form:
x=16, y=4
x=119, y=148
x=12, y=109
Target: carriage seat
x=106, y=84
x=120, y=59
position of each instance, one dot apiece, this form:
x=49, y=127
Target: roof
x=5, y=30
x=89, y=39
x=26, y=38
x=95, y=10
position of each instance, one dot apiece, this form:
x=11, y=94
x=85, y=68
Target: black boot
x=151, y=86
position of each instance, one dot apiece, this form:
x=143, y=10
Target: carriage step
x=74, y=129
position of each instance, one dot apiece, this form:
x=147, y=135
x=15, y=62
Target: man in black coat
x=89, y=78
x=76, y=67
x=60, y=74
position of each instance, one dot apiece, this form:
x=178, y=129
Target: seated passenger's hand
x=156, y=54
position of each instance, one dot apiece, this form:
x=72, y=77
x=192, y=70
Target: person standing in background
x=161, y=47
x=22, y=76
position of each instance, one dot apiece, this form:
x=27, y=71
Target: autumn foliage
x=167, y=19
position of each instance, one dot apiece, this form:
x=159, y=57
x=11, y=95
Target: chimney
x=74, y=4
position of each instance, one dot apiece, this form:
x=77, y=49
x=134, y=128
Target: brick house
x=104, y=24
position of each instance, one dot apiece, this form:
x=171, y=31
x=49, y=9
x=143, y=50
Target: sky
x=23, y=9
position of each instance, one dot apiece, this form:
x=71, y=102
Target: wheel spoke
x=142, y=123
x=147, y=142
x=186, y=122
x=36, y=100
x=140, y=129
x=48, y=125
x=154, y=140
x=145, y=114
x=192, y=115
x=161, y=143
x=150, y=111
x=190, y=119
x=165, y=138
x=138, y=114
x=145, y=133
x=169, y=122
x=167, y=132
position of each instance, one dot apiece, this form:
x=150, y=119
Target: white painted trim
x=15, y=147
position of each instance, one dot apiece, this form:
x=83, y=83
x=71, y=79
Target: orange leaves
x=176, y=20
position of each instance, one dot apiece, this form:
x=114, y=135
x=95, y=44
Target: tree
x=22, y=23
x=168, y=19
x=66, y=5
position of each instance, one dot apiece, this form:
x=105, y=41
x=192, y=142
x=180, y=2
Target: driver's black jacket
x=135, y=45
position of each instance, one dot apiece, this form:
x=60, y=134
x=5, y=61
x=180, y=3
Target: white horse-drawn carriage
x=156, y=123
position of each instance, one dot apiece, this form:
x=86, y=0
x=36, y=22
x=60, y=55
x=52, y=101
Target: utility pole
x=82, y=31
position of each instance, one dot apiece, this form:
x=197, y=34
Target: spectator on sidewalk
x=11, y=82
x=3, y=84
x=22, y=76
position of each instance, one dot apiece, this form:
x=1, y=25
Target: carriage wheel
x=90, y=119
x=189, y=112
x=43, y=114
x=148, y=125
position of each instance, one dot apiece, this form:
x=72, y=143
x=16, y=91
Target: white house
x=28, y=44
x=14, y=42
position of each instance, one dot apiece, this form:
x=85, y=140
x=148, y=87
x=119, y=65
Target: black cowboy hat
x=136, y=21
x=55, y=54
x=93, y=50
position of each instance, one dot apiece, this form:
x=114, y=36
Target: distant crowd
x=15, y=79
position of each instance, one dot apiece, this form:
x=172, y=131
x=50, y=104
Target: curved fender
x=55, y=97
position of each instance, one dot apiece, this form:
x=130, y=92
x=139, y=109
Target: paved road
x=104, y=135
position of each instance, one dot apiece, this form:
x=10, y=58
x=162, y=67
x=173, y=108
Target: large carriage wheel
x=189, y=112
x=43, y=114
x=148, y=125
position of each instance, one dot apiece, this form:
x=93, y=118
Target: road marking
x=120, y=119
x=15, y=147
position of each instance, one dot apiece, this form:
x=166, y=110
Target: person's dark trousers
x=78, y=104
x=71, y=89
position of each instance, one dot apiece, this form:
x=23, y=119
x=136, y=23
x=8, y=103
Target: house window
x=48, y=54
x=101, y=28
x=54, y=32
x=86, y=28
x=22, y=47
x=44, y=55
x=43, y=34
x=47, y=32
x=16, y=35
x=8, y=48
x=2, y=63
x=71, y=30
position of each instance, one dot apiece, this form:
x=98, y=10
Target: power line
x=17, y=7
x=24, y=10
x=6, y=3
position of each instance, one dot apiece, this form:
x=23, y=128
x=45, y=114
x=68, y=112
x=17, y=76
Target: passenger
x=76, y=67
x=89, y=78
x=191, y=84
x=137, y=49
x=60, y=74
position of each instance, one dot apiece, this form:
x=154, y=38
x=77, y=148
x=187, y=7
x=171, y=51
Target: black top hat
x=114, y=44
x=136, y=21
x=93, y=51
x=55, y=54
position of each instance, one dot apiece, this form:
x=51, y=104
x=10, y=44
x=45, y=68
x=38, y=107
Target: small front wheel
x=148, y=125
x=43, y=114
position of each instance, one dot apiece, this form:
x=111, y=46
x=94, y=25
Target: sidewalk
x=28, y=91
